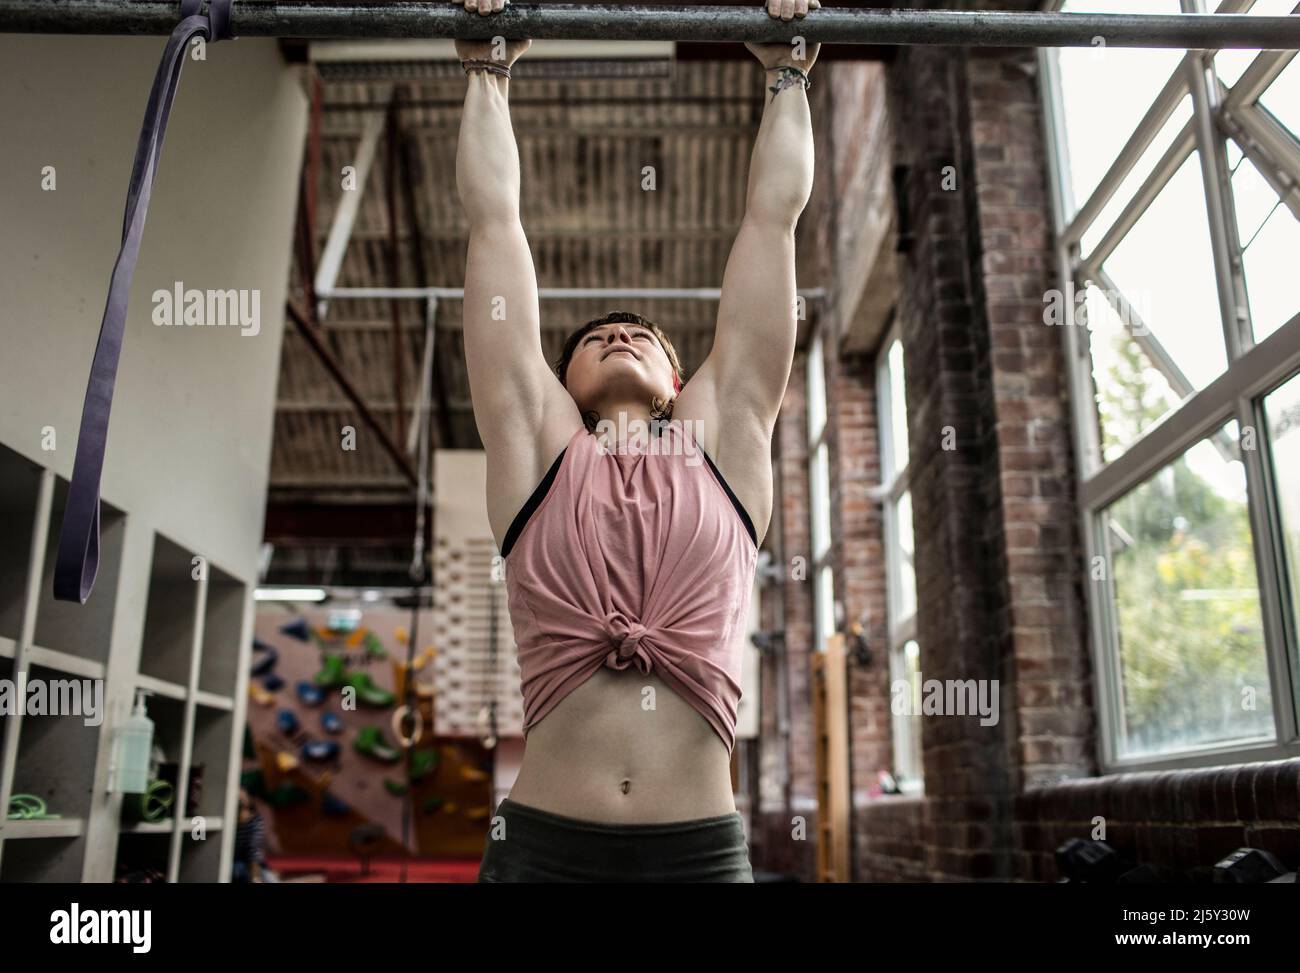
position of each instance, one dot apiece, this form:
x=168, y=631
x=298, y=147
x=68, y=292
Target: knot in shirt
x=625, y=638
x=641, y=564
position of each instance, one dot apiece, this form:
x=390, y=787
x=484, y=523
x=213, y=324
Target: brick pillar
x=1047, y=672
x=837, y=235
x=996, y=548
x=846, y=218
x=787, y=733
x=997, y=553
x=858, y=558
x=968, y=783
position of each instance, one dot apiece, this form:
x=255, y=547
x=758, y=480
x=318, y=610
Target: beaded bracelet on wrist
x=482, y=64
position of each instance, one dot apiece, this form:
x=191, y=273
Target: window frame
x=895, y=483
x=1253, y=369
x=821, y=545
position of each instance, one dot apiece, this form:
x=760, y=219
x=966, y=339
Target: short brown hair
x=620, y=317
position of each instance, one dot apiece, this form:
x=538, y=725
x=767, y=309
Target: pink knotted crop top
x=638, y=555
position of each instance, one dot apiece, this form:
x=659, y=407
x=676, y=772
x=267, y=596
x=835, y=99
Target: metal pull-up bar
x=256, y=18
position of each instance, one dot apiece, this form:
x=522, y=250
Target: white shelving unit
x=162, y=618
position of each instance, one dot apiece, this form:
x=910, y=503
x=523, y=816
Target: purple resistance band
x=77, y=561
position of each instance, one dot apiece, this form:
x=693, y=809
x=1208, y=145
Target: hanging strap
x=77, y=561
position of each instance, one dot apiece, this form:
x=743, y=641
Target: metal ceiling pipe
x=975, y=28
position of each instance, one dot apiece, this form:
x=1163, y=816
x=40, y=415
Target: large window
x=819, y=483
x=1176, y=186
x=1191, y=640
x=900, y=572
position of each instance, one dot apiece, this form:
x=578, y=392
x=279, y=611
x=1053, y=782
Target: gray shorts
x=539, y=846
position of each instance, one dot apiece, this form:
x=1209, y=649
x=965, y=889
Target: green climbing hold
x=423, y=763
x=332, y=674
x=287, y=794
x=375, y=648
x=432, y=804
x=252, y=781
x=370, y=740
x=396, y=787
x=367, y=692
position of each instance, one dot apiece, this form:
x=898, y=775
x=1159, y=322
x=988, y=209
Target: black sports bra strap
x=531, y=504
x=77, y=561
x=735, y=500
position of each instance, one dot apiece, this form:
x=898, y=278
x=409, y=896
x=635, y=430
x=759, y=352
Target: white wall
x=189, y=440
x=190, y=436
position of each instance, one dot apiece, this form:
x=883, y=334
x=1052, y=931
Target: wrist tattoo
x=787, y=77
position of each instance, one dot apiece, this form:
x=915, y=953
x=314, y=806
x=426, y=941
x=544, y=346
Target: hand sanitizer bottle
x=134, y=742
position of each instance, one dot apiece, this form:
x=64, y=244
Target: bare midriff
x=625, y=748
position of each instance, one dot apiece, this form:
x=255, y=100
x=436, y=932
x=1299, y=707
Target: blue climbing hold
x=287, y=722
x=309, y=693
x=330, y=722
x=296, y=629
x=321, y=750
x=265, y=659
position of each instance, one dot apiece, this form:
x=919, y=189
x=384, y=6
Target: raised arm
x=520, y=408
x=742, y=382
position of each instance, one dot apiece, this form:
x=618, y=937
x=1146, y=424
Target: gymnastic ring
x=399, y=715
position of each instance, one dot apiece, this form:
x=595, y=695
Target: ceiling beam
x=440, y=378
x=392, y=138
x=346, y=214
x=318, y=345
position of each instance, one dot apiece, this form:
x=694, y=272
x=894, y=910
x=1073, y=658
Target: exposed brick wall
x=860, y=167
x=858, y=559
x=787, y=730
x=1041, y=620
x=998, y=558
x=769, y=759
x=984, y=592
x=814, y=263
x=855, y=134
x=847, y=97
x=1184, y=820
x=893, y=847
x=796, y=542
x=848, y=107
x=951, y=417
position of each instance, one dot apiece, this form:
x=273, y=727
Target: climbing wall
x=323, y=799
x=475, y=672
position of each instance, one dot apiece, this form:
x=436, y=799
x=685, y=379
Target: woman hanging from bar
x=629, y=505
